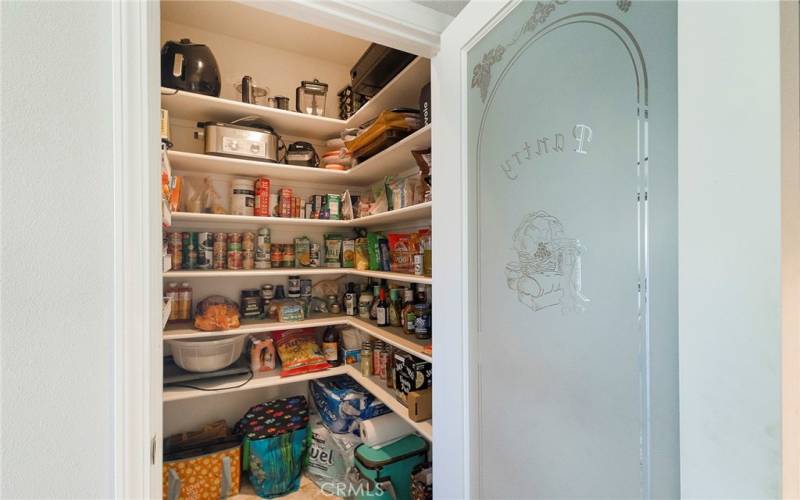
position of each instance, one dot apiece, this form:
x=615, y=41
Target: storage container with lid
x=389, y=468
x=310, y=98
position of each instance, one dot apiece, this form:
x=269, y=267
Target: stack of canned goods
x=239, y=251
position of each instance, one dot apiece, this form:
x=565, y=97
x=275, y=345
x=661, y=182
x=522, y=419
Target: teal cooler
x=392, y=463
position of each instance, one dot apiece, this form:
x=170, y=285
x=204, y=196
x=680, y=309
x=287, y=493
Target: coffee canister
x=243, y=197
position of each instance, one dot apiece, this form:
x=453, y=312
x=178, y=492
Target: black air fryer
x=191, y=67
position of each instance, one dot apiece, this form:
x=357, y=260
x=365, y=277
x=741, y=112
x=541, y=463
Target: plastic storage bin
x=386, y=473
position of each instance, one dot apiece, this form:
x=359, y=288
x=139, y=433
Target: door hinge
x=153, y=450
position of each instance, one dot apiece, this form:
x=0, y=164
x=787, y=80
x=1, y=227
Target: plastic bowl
x=206, y=355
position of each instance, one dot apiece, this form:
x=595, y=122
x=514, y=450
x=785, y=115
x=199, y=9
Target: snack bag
x=299, y=352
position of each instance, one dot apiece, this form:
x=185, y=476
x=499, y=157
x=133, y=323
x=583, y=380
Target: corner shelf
x=390, y=335
x=418, y=212
x=199, y=107
x=228, y=385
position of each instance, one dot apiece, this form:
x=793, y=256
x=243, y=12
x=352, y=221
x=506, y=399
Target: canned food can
x=276, y=255
x=263, y=249
x=305, y=288
x=262, y=197
x=189, y=251
x=175, y=249
x=248, y=241
x=248, y=259
x=220, y=262
x=234, y=238
x=205, y=250
x=315, y=253
x=221, y=238
x=234, y=247
x=288, y=255
x=234, y=260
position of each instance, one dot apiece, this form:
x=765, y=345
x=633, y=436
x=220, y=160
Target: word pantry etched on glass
x=581, y=134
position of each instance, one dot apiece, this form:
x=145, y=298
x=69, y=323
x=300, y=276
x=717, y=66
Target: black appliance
x=191, y=67
x=377, y=67
x=302, y=154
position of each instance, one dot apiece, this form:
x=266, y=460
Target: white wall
x=57, y=215
x=729, y=249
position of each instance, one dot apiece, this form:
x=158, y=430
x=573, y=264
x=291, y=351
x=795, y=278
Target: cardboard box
x=420, y=405
x=411, y=374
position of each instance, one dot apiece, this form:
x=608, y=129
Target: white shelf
x=185, y=330
x=227, y=385
x=293, y=271
x=391, y=335
x=394, y=336
x=421, y=211
x=203, y=221
x=209, y=164
x=378, y=388
x=392, y=160
x=201, y=108
x=384, y=275
x=402, y=91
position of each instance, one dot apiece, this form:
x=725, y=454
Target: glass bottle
x=382, y=311
x=330, y=346
x=373, y=312
x=394, y=307
x=390, y=367
x=366, y=359
x=351, y=300
x=409, y=313
x=376, y=357
x=365, y=304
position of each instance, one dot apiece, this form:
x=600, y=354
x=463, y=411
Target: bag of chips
x=299, y=352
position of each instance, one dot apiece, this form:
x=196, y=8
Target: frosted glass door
x=563, y=116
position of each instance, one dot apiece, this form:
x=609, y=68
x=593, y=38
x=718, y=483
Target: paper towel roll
x=386, y=429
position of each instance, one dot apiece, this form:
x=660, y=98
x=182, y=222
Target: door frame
x=138, y=343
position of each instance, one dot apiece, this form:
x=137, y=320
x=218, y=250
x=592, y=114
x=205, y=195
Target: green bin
x=392, y=464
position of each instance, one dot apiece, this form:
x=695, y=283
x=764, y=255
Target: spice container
x=366, y=359
x=376, y=357
x=384, y=362
x=250, y=303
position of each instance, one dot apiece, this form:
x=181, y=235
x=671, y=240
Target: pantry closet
x=318, y=225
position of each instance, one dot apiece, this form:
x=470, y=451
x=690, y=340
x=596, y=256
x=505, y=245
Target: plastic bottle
x=185, y=293
x=172, y=293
